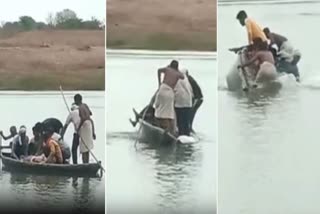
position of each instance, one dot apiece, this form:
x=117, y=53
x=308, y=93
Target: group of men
x=269, y=49
x=47, y=144
x=177, y=99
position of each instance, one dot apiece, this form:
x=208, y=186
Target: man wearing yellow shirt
x=253, y=29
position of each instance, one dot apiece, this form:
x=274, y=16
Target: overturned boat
x=75, y=170
x=238, y=79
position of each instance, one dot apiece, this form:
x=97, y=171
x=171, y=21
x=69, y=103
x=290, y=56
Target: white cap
x=22, y=130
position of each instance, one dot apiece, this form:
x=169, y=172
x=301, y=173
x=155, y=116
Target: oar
x=144, y=115
x=84, y=143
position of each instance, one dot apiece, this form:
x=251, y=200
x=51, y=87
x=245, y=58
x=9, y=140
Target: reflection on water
x=153, y=179
x=39, y=192
x=269, y=143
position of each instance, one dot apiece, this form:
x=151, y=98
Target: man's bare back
x=171, y=76
x=264, y=56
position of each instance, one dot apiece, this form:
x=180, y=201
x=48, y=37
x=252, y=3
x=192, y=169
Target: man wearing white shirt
x=73, y=118
x=183, y=104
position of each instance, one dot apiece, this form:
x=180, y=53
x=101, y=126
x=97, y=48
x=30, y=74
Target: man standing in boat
x=20, y=144
x=253, y=29
x=86, y=128
x=164, y=101
x=73, y=118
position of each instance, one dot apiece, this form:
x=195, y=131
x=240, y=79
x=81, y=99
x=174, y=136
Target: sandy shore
x=160, y=25
x=43, y=60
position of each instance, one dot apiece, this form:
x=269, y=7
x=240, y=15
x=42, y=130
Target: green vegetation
x=65, y=19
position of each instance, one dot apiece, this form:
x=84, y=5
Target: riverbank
x=154, y=25
x=43, y=60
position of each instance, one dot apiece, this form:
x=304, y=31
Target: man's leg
x=180, y=122
x=185, y=121
x=75, y=144
x=85, y=157
x=194, y=110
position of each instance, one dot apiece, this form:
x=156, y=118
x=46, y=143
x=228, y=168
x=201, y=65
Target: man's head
x=13, y=130
x=22, y=131
x=267, y=32
x=47, y=132
x=174, y=64
x=37, y=129
x=77, y=99
x=241, y=16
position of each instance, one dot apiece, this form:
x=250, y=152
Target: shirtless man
x=86, y=128
x=267, y=70
x=164, y=101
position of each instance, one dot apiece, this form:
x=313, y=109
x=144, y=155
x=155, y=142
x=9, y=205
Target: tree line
x=65, y=19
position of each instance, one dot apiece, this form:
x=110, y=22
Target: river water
x=158, y=180
x=268, y=142
x=19, y=191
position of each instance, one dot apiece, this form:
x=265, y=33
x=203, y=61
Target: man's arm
x=181, y=76
x=67, y=123
x=93, y=129
x=52, y=152
x=4, y=137
x=26, y=147
x=160, y=70
x=13, y=149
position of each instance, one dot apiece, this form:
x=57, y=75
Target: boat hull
x=77, y=170
x=155, y=135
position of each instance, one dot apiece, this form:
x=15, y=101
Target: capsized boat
x=238, y=79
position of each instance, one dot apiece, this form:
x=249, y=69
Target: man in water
x=197, y=98
x=267, y=70
x=164, y=101
x=86, y=128
x=253, y=29
x=73, y=118
x=286, y=50
x=287, y=54
x=147, y=113
x=20, y=144
x=183, y=104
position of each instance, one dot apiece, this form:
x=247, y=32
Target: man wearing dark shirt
x=197, y=98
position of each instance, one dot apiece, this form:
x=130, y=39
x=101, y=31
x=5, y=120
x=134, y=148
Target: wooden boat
x=148, y=133
x=77, y=170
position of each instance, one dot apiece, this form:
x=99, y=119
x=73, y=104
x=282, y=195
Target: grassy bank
x=52, y=80
x=162, y=41
x=157, y=25
x=43, y=60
